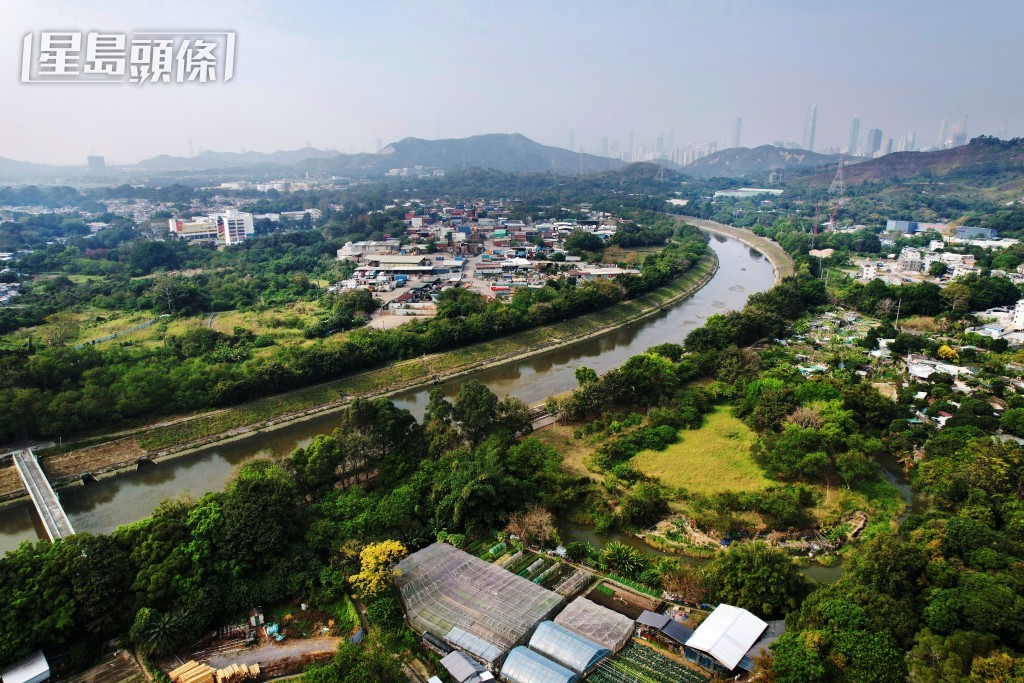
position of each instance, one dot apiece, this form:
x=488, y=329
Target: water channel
x=103, y=506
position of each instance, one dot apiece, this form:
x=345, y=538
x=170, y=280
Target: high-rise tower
x=737, y=130
x=809, y=127
x=851, y=148
x=874, y=142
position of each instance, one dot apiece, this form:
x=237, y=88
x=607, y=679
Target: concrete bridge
x=54, y=519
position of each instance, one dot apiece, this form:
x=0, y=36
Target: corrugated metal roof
x=461, y=666
x=727, y=634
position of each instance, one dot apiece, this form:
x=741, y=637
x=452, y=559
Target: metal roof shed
x=31, y=669
x=463, y=669
x=567, y=647
x=727, y=634
x=523, y=665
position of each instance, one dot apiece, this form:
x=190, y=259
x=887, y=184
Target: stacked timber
x=194, y=672
x=236, y=673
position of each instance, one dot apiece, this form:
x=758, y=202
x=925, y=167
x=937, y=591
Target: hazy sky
x=342, y=74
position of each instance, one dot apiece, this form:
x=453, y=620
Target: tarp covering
x=596, y=622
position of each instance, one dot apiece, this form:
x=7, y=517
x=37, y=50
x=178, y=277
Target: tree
x=156, y=633
x=685, y=582
x=948, y=354
x=938, y=269
x=476, y=409
x=1012, y=421
x=853, y=466
x=759, y=578
x=376, y=563
x=581, y=241
x=535, y=526
x=584, y=375
x=957, y=297
x=62, y=328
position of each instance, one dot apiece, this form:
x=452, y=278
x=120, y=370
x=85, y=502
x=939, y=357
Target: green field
x=711, y=459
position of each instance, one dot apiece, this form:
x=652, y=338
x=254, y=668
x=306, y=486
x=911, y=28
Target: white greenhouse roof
x=727, y=634
x=32, y=668
x=526, y=666
x=566, y=647
x=476, y=606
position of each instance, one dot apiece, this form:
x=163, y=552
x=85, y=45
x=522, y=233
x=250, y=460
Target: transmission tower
x=838, y=185
x=579, y=169
x=660, y=176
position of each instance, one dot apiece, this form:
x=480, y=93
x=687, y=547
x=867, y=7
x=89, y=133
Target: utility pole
x=898, y=305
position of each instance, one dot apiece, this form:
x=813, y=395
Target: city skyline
x=620, y=77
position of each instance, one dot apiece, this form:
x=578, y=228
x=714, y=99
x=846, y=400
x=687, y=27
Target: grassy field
x=712, y=459
x=574, y=452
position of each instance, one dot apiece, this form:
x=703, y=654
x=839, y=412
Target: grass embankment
x=212, y=426
x=712, y=459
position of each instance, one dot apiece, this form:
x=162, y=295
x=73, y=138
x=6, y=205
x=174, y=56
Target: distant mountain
x=743, y=161
x=208, y=160
x=512, y=153
x=983, y=157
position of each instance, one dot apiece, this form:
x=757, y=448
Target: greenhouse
x=526, y=666
x=600, y=624
x=476, y=606
x=567, y=647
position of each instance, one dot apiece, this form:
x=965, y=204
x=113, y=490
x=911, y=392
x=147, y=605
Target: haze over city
x=584, y=76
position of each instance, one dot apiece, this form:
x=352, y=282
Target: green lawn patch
x=711, y=459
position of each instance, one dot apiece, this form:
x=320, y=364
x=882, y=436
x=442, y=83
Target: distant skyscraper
x=851, y=148
x=888, y=147
x=874, y=142
x=737, y=129
x=941, y=142
x=96, y=163
x=629, y=149
x=810, y=126
x=960, y=133
x=572, y=140
x=604, y=147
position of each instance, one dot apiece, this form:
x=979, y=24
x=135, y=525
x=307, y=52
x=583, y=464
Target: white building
x=228, y=227
x=233, y=227
x=868, y=271
x=1018, y=315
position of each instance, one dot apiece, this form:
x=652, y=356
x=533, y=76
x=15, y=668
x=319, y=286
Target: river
x=105, y=505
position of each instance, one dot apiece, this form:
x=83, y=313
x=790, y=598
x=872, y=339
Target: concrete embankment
x=772, y=250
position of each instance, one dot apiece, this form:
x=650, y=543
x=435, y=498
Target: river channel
x=105, y=505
